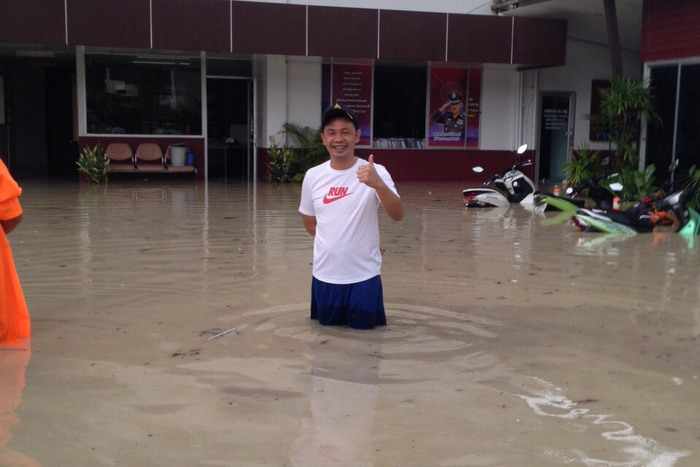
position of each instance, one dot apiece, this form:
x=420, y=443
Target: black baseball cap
x=335, y=112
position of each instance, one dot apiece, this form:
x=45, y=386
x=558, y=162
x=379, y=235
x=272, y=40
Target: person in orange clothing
x=15, y=326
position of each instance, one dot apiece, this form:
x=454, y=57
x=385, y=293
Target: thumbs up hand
x=368, y=175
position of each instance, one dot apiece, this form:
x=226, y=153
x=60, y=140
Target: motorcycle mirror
x=478, y=169
x=522, y=149
x=617, y=186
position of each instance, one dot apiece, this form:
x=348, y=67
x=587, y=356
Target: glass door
x=229, y=128
x=556, y=135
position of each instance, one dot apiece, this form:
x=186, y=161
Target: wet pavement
x=171, y=328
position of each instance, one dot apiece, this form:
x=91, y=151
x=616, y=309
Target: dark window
x=663, y=85
x=597, y=131
x=223, y=67
x=129, y=95
x=399, y=106
x=688, y=142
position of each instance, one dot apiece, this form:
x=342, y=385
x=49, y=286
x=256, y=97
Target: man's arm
x=391, y=203
x=10, y=225
x=368, y=175
x=309, y=224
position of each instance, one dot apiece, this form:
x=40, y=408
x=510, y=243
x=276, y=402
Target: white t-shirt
x=346, y=245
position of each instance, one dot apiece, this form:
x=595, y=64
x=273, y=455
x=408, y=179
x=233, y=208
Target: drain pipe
x=613, y=38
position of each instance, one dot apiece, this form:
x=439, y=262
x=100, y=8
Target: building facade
x=436, y=91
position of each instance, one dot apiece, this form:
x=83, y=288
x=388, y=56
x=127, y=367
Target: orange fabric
x=14, y=315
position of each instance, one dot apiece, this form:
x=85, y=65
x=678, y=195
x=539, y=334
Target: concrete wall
x=499, y=97
x=289, y=90
x=586, y=61
x=272, y=97
x=304, y=91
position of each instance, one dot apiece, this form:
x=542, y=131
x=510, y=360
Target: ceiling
x=586, y=19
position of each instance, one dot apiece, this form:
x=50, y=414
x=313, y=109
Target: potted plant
x=623, y=107
x=93, y=165
x=281, y=161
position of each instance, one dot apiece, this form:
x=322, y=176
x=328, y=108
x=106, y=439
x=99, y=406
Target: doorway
x=38, y=120
x=61, y=123
x=230, y=147
x=556, y=135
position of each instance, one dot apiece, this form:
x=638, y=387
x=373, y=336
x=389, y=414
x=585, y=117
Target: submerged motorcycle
x=578, y=197
x=643, y=217
x=500, y=191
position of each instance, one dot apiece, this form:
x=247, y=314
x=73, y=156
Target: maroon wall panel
x=539, y=42
x=430, y=164
x=479, y=39
x=269, y=28
x=342, y=32
x=670, y=29
x=32, y=22
x=192, y=25
x=109, y=23
x=410, y=35
x=440, y=164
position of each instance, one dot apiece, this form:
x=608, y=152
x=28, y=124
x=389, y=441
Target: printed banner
x=473, y=107
x=455, y=107
x=352, y=89
x=447, y=110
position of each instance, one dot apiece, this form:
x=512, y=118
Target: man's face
x=455, y=109
x=340, y=137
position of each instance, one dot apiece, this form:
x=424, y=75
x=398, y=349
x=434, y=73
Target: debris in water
x=191, y=353
x=222, y=333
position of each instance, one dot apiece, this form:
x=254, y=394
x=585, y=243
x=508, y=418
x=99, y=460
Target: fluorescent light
x=148, y=62
x=164, y=57
x=153, y=62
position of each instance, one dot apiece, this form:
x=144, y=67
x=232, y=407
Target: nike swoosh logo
x=329, y=199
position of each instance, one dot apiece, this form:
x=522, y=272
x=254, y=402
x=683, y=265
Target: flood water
x=510, y=342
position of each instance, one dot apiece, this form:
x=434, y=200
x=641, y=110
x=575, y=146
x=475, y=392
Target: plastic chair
x=121, y=157
x=150, y=153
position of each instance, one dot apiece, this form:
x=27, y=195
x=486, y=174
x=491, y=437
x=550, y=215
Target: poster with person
x=455, y=107
x=447, y=116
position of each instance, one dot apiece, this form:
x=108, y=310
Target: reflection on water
x=13, y=369
x=123, y=282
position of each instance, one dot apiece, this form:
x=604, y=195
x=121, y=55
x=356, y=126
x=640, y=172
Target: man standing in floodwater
x=340, y=201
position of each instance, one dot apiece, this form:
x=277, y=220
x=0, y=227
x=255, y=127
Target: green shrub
x=93, y=164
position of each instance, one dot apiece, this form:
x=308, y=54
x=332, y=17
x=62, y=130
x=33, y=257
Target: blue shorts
x=359, y=305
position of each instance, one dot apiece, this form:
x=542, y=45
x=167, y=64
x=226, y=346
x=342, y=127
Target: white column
x=275, y=96
x=304, y=91
x=80, y=84
x=205, y=120
x=645, y=123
